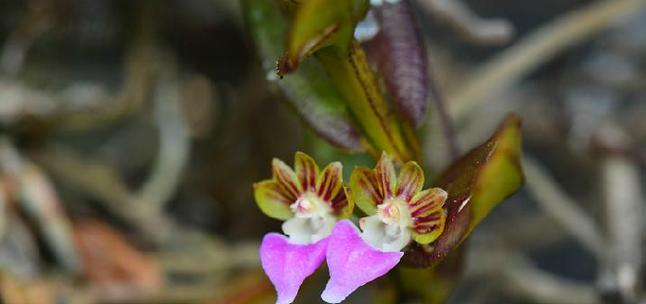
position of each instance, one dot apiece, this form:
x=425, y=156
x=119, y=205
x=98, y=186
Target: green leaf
x=476, y=183
x=309, y=91
x=321, y=23
x=315, y=98
x=325, y=28
x=357, y=84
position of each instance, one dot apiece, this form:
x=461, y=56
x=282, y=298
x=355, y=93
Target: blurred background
x=131, y=133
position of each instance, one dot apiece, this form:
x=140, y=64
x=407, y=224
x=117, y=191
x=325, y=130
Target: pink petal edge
x=352, y=262
x=287, y=265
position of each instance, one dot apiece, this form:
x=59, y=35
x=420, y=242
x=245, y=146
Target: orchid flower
x=399, y=212
x=310, y=203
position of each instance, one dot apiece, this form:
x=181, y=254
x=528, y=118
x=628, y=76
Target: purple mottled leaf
x=400, y=56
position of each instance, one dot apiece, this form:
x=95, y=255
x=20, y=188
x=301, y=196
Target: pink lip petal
x=287, y=265
x=352, y=262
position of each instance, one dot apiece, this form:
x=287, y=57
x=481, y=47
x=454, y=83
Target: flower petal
x=411, y=180
x=286, y=178
x=352, y=262
x=272, y=200
x=427, y=233
x=428, y=215
x=373, y=230
x=306, y=171
x=287, y=265
x=386, y=237
x=341, y=205
x=427, y=229
x=365, y=190
x=427, y=201
x=330, y=181
x=386, y=176
x=308, y=230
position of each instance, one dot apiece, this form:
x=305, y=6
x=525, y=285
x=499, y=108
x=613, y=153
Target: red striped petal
x=286, y=178
x=365, y=190
x=341, y=205
x=386, y=176
x=330, y=181
x=428, y=215
x=306, y=171
x=428, y=228
x=411, y=180
x=427, y=201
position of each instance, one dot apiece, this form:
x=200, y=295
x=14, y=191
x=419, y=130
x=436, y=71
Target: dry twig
x=535, y=49
x=40, y=202
x=624, y=219
x=471, y=26
x=520, y=277
x=556, y=204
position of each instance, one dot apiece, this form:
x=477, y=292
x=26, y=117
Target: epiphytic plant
x=367, y=98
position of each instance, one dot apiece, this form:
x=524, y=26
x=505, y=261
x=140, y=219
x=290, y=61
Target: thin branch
x=209, y=254
x=556, y=204
x=520, y=277
x=54, y=108
x=40, y=202
x=538, y=286
x=532, y=231
x=535, y=49
x=19, y=253
x=474, y=28
x=138, y=76
x=174, y=146
x=40, y=18
x=621, y=180
x=446, y=121
x=143, y=208
x=90, y=177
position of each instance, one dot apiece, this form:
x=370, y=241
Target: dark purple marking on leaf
x=460, y=180
x=400, y=56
